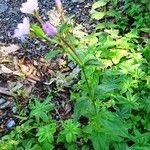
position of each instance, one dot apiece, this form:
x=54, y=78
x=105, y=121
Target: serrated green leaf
x=100, y=26
x=93, y=62
x=78, y=110
x=105, y=88
x=147, y=51
x=105, y=25
x=100, y=141
x=70, y=132
x=46, y=132
x=50, y=55
x=140, y=147
x=28, y=144
x=69, y=137
x=113, y=13
x=98, y=4
x=36, y=147
x=65, y=27
x=121, y=146
x=47, y=146
x=98, y=15
x=40, y=110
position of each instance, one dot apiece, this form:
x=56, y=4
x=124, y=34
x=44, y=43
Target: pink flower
x=29, y=7
x=22, y=28
x=49, y=29
x=58, y=3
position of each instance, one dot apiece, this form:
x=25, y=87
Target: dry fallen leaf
x=15, y=62
x=35, y=78
x=5, y=91
x=9, y=49
x=24, y=68
x=54, y=17
x=4, y=69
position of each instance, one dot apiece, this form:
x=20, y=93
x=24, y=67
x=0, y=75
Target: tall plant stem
x=73, y=53
x=37, y=16
x=86, y=79
x=89, y=89
x=80, y=63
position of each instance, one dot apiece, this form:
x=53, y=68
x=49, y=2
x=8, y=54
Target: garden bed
x=79, y=81
x=30, y=53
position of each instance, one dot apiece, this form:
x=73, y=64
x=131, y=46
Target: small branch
x=37, y=16
x=76, y=57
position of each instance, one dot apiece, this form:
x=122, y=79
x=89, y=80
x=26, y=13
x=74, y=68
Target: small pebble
x=14, y=109
x=71, y=65
x=2, y=100
x=76, y=70
x=10, y=124
x=57, y=117
x=3, y=7
x=6, y=105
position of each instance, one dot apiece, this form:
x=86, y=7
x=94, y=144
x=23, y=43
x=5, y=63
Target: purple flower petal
x=22, y=28
x=49, y=29
x=29, y=7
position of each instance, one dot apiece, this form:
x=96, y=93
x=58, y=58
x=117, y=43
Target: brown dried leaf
x=15, y=62
x=24, y=68
x=5, y=91
x=6, y=70
x=35, y=78
x=9, y=49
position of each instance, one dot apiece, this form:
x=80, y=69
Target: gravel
x=3, y=7
x=10, y=14
x=2, y=100
x=11, y=123
x=6, y=105
x=14, y=109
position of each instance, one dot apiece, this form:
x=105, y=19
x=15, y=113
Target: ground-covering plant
x=112, y=96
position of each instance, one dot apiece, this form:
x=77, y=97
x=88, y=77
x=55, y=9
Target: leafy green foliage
x=52, y=54
x=45, y=133
x=41, y=110
x=100, y=141
x=70, y=132
x=37, y=31
x=111, y=99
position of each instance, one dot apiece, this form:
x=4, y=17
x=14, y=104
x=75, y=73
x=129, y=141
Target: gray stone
x=10, y=124
x=6, y=105
x=3, y=7
x=76, y=70
x=71, y=65
x=14, y=109
x=2, y=101
x=2, y=116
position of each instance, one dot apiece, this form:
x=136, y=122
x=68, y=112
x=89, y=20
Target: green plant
x=70, y=132
x=41, y=110
x=111, y=99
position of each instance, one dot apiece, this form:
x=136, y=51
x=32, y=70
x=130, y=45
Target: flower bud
x=58, y=2
x=49, y=29
x=59, y=6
